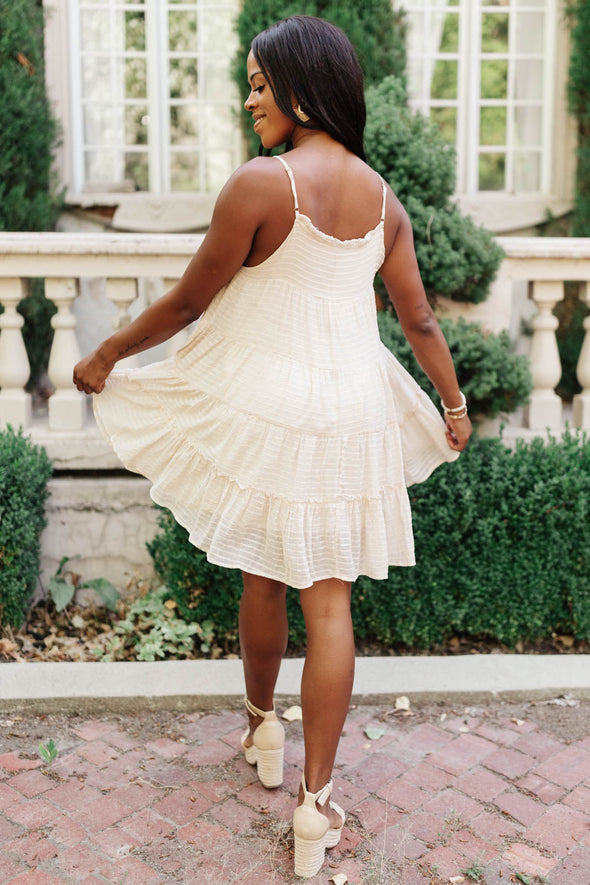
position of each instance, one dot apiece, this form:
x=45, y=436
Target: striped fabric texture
x=284, y=434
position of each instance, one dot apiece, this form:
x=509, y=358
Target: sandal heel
x=267, y=748
x=309, y=856
x=312, y=831
x=270, y=767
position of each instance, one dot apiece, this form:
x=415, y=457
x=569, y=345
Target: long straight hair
x=313, y=62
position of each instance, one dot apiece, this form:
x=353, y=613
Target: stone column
x=15, y=402
x=67, y=406
x=582, y=400
x=122, y=291
x=545, y=408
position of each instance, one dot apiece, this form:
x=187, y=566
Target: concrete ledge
x=199, y=685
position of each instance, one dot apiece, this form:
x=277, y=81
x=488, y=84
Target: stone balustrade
x=123, y=261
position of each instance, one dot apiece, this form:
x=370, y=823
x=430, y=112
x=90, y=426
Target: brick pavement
x=489, y=794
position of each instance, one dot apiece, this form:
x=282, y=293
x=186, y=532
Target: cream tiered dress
x=283, y=434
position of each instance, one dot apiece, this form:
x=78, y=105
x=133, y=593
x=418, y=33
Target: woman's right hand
x=458, y=432
x=91, y=373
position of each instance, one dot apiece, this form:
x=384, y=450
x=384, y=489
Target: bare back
x=337, y=191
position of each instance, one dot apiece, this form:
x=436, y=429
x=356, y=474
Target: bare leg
x=327, y=681
x=263, y=639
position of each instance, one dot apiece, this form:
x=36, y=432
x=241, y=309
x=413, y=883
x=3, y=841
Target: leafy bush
x=406, y=148
x=493, y=378
x=374, y=28
x=456, y=258
x=24, y=472
x=29, y=199
x=502, y=547
x=579, y=101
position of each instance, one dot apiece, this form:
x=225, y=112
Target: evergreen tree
x=28, y=134
x=579, y=100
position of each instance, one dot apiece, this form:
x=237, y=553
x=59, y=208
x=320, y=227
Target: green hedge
x=493, y=378
x=502, y=547
x=24, y=472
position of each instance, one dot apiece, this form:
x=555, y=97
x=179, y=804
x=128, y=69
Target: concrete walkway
x=496, y=792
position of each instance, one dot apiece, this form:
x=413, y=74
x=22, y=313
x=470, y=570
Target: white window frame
x=157, y=55
x=469, y=102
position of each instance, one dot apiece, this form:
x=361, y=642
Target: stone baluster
x=122, y=291
x=67, y=406
x=15, y=402
x=582, y=400
x=176, y=342
x=545, y=408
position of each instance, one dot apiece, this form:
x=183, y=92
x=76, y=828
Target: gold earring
x=301, y=114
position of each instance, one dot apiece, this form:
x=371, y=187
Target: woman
x=283, y=434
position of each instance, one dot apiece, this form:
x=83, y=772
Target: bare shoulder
x=252, y=187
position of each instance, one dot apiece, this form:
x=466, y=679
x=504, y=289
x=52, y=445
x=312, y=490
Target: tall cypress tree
x=29, y=200
x=579, y=101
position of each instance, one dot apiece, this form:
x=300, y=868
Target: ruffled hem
x=268, y=499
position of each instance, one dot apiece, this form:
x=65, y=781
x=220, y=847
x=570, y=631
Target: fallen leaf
x=518, y=722
x=27, y=65
x=292, y=714
x=566, y=641
x=170, y=603
x=374, y=733
x=339, y=879
x=78, y=622
x=464, y=729
x=7, y=647
x=443, y=716
x=402, y=703
x=456, y=880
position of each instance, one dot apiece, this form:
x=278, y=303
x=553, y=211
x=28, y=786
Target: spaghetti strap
x=292, y=180
x=384, y=198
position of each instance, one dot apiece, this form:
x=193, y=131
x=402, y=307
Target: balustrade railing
x=65, y=261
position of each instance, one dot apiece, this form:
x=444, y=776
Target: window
x=484, y=71
x=153, y=103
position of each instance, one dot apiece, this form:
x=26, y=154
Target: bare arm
x=402, y=280
x=236, y=218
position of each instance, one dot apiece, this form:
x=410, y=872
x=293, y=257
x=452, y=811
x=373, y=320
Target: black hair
x=314, y=61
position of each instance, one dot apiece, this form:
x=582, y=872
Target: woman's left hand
x=91, y=373
x=458, y=432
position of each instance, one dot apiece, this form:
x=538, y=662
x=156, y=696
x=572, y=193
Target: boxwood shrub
x=502, y=542
x=24, y=472
x=493, y=378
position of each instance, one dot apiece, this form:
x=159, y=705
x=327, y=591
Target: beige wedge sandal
x=268, y=747
x=312, y=831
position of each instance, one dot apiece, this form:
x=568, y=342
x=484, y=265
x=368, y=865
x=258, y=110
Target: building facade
x=149, y=110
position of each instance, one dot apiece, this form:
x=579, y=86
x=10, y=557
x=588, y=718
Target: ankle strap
x=254, y=710
x=322, y=795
